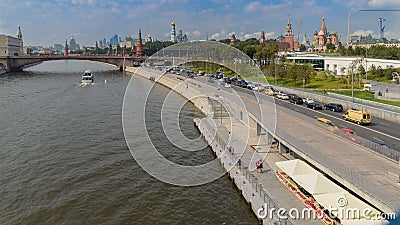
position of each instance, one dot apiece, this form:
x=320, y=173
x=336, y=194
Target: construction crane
x=381, y=29
x=298, y=34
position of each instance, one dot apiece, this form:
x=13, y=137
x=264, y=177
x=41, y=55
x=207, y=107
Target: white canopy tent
x=295, y=167
x=316, y=183
x=345, y=205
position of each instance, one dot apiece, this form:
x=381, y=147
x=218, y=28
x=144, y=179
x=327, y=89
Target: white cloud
x=196, y=34
x=363, y=32
x=269, y=35
x=252, y=6
x=215, y=36
x=90, y=2
x=384, y=3
x=205, y=11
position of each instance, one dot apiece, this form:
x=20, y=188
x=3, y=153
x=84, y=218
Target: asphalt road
x=379, y=130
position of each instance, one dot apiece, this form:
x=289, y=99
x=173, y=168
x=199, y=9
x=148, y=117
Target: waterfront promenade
x=353, y=166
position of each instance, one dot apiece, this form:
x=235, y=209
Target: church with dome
x=323, y=40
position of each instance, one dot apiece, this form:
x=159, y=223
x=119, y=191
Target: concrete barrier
x=374, y=108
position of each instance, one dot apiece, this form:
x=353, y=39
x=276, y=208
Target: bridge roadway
x=351, y=165
x=17, y=63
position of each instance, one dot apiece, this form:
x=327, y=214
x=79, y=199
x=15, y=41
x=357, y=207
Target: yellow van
x=327, y=124
x=357, y=116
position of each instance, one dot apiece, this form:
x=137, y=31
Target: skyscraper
x=72, y=43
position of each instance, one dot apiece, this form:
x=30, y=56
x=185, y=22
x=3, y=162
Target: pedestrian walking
x=261, y=166
x=258, y=166
x=239, y=162
x=232, y=151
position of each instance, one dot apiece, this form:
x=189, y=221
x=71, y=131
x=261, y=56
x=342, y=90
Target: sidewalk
x=246, y=178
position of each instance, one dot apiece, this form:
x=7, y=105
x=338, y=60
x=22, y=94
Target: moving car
x=282, y=96
x=270, y=92
x=349, y=134
x=314, y=105
x=308, y=100
x=327, y=124
x=357, y=116
x=296, y=100
x=334, y=107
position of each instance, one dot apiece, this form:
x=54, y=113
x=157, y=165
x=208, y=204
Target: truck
x=357, y=116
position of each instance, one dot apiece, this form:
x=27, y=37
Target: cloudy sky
x=46, y=22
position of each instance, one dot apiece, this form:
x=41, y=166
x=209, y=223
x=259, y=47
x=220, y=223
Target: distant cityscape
x=322, y=41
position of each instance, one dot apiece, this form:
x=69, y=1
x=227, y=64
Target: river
x=64, y=159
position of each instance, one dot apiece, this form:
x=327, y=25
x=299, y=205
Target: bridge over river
x=18, y=63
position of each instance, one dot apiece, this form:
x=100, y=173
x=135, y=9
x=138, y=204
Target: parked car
x=296, y=100
x=308, y=100
x=314, y=105
x=334, y=107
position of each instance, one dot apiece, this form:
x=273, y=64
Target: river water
x=64, y=159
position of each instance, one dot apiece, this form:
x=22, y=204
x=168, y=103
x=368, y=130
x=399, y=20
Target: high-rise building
x=114, y=40
x=72, y=43
x=173, y=31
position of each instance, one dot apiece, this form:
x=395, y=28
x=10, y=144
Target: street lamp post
x=352, y=83
x=366, y=66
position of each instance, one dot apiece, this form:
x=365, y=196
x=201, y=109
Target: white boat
x=87, y=77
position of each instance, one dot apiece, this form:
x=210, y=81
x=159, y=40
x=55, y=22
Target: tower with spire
x=262, y=39
x=149, y=38
x=66, y=48
x=139, y=45
x=173, y=32
x=233, y=40
x=19, y=36
x=289, y=35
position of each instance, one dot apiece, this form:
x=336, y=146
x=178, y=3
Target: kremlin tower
x=262, y=39
x=139, y=45
x=66, y=48
x=289, y=35
x=233, y=40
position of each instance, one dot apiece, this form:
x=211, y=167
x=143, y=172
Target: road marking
x=367, y=128
x=385, y=124
x=377, y=139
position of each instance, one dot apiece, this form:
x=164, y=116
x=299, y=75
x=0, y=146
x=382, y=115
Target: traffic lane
x=377, y=124
x=364, y=132
x=379, y=131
